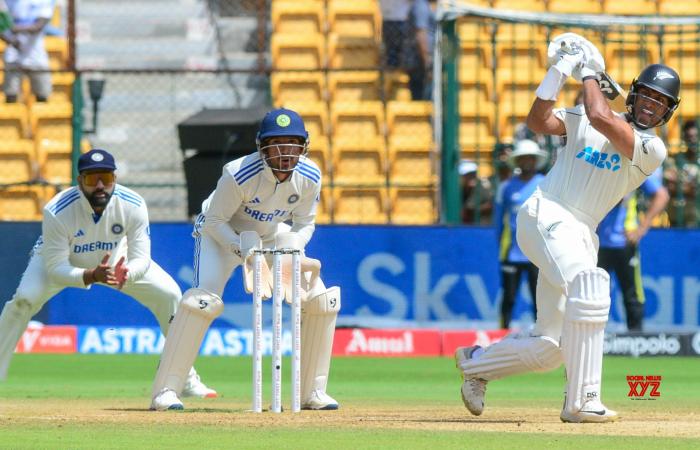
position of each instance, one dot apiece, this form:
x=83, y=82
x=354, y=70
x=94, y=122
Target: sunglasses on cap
x=91, y=179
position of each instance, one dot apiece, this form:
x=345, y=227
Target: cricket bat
x=613, y=92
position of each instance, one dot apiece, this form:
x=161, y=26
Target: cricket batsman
x=258, y=192
x=607, y=155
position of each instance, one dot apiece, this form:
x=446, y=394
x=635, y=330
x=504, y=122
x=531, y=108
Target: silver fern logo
x=661, y=75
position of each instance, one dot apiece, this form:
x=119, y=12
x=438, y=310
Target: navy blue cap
x=282, y=122
x=96, y=159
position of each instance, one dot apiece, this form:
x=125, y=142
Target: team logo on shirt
x=117, y=228
x=293, y=198
x=79, y=233
x=600, y=159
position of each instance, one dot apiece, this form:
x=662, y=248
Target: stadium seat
x=297, y=87
x=574, y=7
x=522, y=5
x=625, y=61
x=396, y=86
x=53, y=133
x=521, y=35
x=301, y=17
x=519, y=65
x=413, y=206
x=636, y=8
x=679, y=7
x=57, y=48
x=17, y=161
x=358, y=120
x=411, y=145
x=685, y=58
x=475, y=97
x=21, y=204
x=360, y=205
x=298, y=51
x=13, y=122
x=323, y=211
x=476, y=130
x=516, y=99
x=359, y=161
x=354, y=86
x=350, y=52
x=474, y=60
x=473, y=32
x=62, y=86
x=319, y=152
x=359, y=18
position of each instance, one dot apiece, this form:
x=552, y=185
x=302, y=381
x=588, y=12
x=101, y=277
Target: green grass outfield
x=100, y=401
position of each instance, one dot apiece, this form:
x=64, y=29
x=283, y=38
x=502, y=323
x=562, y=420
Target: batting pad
x=318, y=318
x=195, y=313
x=585, y=317
x=514, y=355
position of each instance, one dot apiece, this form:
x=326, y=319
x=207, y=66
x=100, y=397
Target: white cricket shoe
x=593, y=411
x=473, y=389
x=319, y=400
x=166, y=400
x=195, y=388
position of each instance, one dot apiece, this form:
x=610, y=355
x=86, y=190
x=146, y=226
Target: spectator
x=477, y=195
x=501, y=164
x=527, y=158
x=619, y=233
x=25, y=48
x=417, y=54
x=682, y=177
x=394, y=16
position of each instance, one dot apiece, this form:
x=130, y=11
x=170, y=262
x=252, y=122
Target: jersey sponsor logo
x=600, y=159
x=293, y=199
x=94, y=246
x=79, y=233
x=117, y=228
x=263, y=216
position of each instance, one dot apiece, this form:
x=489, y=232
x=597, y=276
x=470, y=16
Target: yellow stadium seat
x=297, y=87
x=474, y=59
x=324, y=208
x=358, y=161
x=350, y=52
x=57, y=48
x=13, y=122
x=360, y=205
x=298, y=51
x=396, y=86
x=319, y=152
x=17, y=161
x=298, y=17
x=474, y=32
x=522, y=5
x=516, y=99
x=476, y=130
x=519, y=65
x=679, y=7
x=354, y=86
x=625, y=8
x=411, y=164
x=51, y=125
x=508, y=124
x=359, y=120
x=413, y=206
x=521, y=35
x=625, y=61
x=62, y=86
x=575, y=7
x=684, y=57
x=354, y=18
x=21, y=204
x=410, y=139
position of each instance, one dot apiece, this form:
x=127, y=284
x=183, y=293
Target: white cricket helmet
x=528, y=147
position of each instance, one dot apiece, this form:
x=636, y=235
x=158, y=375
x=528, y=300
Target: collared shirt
x=74, y=238
x=248, y=197
x=591, y=176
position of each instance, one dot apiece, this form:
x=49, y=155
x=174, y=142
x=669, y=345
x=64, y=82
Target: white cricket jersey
x=74, y=238
x=590, y=174
x=248, y=197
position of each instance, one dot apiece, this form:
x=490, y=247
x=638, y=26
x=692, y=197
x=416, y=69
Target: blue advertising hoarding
x=390, y=276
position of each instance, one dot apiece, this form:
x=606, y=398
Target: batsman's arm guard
x=197, y=309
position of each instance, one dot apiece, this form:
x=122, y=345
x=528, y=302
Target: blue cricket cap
x=282, y=122
x=96, y=159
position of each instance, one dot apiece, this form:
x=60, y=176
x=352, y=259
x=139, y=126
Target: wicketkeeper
x=258, y=192
x=607, y=155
